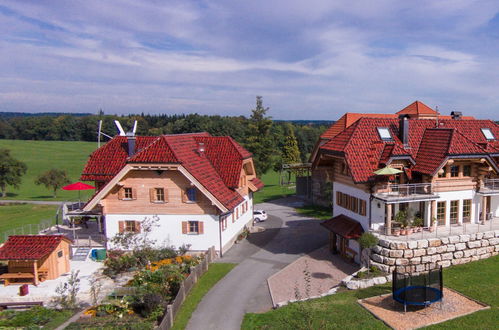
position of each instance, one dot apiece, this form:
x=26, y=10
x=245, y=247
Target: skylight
x=384, y=134
x=488, y=134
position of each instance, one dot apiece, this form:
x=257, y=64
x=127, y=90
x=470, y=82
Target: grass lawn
x=214, y=274
x=18, y=215
x=272, y=189
x=41, y=156
x=315, y=211
x=478, y=280
x=33, y=318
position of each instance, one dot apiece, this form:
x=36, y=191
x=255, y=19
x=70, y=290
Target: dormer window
x=384, y=134
x=488, y=134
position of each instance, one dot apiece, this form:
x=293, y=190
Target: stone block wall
x=420, y=255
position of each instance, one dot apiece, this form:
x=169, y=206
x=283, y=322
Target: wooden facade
x=49, y=267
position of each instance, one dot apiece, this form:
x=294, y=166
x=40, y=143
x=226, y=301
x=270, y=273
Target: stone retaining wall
x=421, y=255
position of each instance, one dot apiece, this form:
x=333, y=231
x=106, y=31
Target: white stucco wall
x=169, y=229
x=349, y=190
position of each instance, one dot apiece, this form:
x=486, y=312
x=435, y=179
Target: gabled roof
x=417, y=108
x=348, y=119
x=30, y=247
x=429, y=145
x=217, y=169
x=344, y=226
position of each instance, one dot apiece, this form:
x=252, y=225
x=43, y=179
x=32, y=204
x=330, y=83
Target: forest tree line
x=269, y=141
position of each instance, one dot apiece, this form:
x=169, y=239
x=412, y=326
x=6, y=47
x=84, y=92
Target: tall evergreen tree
x=11, y=171
x=258, y=138
x=290, y=151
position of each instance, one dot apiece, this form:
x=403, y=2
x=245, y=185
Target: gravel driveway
x=288, y=236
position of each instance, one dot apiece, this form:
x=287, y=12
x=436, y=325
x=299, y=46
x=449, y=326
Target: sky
x=309, y=59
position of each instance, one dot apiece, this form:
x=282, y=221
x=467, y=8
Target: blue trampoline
x=417, y=290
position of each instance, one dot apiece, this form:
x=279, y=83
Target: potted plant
x=401, y=217
x=433, y=224
x=418, y=223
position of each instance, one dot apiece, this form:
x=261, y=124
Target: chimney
x=404, y=130
x=201, y=148
x=131, y=143
x=456, y=115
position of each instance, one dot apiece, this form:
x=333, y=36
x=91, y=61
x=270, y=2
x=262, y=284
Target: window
x=160, y=194
x=60, y=254
x=466, y=210
x=454, y=211
x=224, y=222
x=127, y=193
x=441, y=213
x=384, y=134
x=191, y=194
x=129, y=226
x=467, y=170
x=488, y=134
x=454, y=171
x=351, y=203
x=193, y=227
x=444, y=172
x=362, y=207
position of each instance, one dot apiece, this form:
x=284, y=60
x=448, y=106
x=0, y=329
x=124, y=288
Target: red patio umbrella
x=78, y=186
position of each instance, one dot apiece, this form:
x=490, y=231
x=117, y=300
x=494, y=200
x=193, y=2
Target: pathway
x=245, y=290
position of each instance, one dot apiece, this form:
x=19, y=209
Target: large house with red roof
x=447, y=169
x=198, y=188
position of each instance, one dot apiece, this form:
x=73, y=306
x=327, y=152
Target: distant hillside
x=40, y=114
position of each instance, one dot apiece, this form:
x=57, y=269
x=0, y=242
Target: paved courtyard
x=325, y=271
x=45, y=291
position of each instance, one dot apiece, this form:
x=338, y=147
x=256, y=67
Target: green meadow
x=41, y=156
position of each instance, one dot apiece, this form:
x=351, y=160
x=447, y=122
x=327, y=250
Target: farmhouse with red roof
x=442, y=167
x=199, y=188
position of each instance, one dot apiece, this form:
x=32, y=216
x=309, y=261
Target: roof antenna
x=101, y=133
x=436, y=108
x=134, y=127
x=120, y=129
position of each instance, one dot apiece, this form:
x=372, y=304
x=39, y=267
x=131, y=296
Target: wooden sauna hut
x=35, y=258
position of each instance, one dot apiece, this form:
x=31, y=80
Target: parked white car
x=259, y=215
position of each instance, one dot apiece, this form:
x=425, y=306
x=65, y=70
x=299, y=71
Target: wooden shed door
x=61, y=263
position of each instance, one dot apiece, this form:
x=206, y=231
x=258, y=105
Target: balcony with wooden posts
x=489, y=187
x=394, y=193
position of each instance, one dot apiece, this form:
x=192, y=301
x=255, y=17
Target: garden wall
x=185, y=288
x=424, y=254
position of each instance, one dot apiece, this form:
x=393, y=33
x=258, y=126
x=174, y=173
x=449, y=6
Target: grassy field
x=272, y=189
x=478, y=280
x=41, y=156
x=16, y=216
x=214, y=274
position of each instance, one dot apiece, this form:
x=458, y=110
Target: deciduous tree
x=54, y=179
x=11, y=171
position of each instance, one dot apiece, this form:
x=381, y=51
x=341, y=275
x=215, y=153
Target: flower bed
x=158, y=275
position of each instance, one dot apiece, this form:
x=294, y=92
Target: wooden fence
x=185, y=287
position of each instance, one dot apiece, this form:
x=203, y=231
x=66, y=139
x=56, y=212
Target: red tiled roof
x=257, y=183
x=344, y=226
x=364, y=150
x=348, y=119
x=105, y=162
x=417, y=108
x=218, y=168
x=30, y=247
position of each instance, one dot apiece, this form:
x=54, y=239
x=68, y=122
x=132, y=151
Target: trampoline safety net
x=422, y=289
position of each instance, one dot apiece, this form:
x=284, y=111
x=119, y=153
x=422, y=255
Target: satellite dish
x=118, y=125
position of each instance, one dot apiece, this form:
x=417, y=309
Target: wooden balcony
x=406, y=192
x=489, y=187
